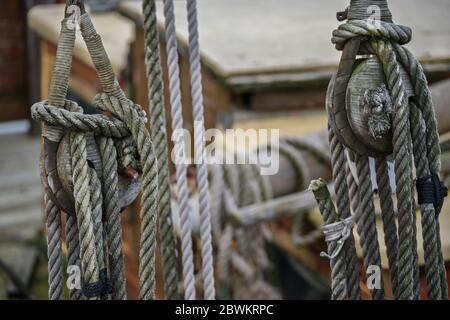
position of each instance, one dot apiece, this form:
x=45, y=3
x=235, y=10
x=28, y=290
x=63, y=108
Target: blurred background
x=265, y=63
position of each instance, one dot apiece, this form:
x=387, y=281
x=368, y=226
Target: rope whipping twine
x=127, y=119
x=200, y=153
x=169, y=252
x=180, y=166
x=385, y=40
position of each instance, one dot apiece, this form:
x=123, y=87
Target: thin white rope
x=200, y=154
x=180, y=166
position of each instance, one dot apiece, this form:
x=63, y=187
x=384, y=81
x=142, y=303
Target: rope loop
x=431, y=190
x=371, y=29
x=339, y=231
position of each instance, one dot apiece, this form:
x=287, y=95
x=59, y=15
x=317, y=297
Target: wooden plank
x=272, y=37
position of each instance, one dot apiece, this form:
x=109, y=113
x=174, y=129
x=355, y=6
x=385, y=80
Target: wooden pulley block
x=360, y=105
x=129, y=187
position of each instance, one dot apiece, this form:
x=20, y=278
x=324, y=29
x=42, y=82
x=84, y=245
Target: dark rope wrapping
x=431, y=190
x=101, y=288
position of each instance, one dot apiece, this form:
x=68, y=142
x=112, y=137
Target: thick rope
x=159, y=136
x=339, y=160
x=85, y=219
x=199, y=145
x=431, y=247
x=180, y=167
x=366, y=224
x=403, y=166
x=54, y=251
x=73, y=251
x=127, y=111
x=389, y=223
x=111, y=206
x=337, y=262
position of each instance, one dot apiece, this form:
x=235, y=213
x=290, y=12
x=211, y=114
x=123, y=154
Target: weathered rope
x=83, y=209
x=96, y=194
x=388, y=217
x=159, y=136
x=337, y=258
x=113, y=227
x=199, y=145
x=343, y=208
x=54, y=251
x=180, y=166
x=366, y=225
x=431, y=247
x=411, y=141
x=73, y=251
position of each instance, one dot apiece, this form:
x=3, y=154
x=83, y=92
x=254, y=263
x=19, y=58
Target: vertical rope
x=159, y=136
x=403, y=167
x=54, y=251
x=366, y=224
x=180, y=167
x=337, y=264
x=73, y=251
x=339, y=162
x=388, y=217
x=111, y=207
x=430, y=243
x=425, y=103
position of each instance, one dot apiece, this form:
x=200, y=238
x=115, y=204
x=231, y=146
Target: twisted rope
x=337, y=262
x=54, y=251
x=199, y=145
x=403, y=166
x=159, y=136
x=343, y=208
x=73, y=251
x=180, y=167
x=111, y=206
x=430, y=245
x=127, y=111
x=388, y=217
x=366, y=224
x=83, y=209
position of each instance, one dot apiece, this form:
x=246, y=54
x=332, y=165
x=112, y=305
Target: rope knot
x=338, y=231
x=101, y=288
x=431, y=190
x=371, y=28
x=124, y=109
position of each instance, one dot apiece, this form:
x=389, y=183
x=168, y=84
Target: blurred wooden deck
x=20, y=188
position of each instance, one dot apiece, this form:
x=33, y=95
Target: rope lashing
x=98, y=289
x=414, y=146
x=431, y=190
x=336, y=232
